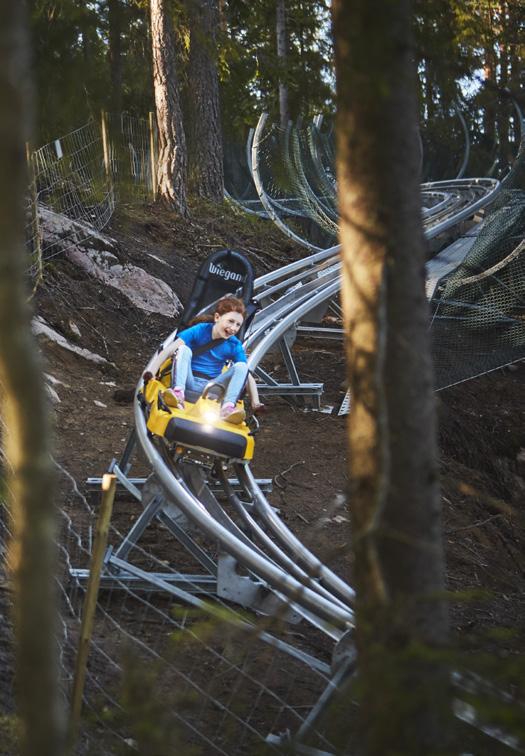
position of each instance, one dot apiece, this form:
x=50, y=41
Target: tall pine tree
x=172, y=161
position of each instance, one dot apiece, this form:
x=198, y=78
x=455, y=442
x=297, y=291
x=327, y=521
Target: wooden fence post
x=152, y=156
x=105, y=143
x=109, y=483
x=33, y=199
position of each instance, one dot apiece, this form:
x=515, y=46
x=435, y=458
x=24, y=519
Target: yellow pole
x=109, y=483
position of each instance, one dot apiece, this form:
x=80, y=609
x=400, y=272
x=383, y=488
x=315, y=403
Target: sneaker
x=230, y=413
x=174, y=397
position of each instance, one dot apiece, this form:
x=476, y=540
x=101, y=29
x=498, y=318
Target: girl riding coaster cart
x=187, y=381
x=187, y=416
x=203, y=352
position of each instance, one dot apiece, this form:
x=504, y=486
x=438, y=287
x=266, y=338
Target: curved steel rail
x=265, y=199
x=299, y=595
x=290, y=294
x=457, y=198
x=262, y=542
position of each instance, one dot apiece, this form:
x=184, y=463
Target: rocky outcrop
x=97, y=255
x=41, y=328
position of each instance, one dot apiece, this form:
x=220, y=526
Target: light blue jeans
x=232, y=379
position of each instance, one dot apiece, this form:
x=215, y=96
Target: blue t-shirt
x=211, y=363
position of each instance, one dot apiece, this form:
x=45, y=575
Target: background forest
x=89, y=56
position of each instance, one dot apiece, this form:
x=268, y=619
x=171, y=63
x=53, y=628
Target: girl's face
x=227, y=325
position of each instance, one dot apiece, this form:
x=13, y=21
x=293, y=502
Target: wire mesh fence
x=478, y=311
x=133, y=153
x=82, y=176
x=297, y=181
x=162, y=676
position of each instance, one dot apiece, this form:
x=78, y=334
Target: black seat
x=226, y=271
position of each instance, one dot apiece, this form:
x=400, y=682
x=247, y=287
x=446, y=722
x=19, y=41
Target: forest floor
x=481, y=422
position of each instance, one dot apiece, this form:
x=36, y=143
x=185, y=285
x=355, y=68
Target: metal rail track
x=288, y=296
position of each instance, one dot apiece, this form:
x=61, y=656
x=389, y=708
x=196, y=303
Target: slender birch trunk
x=280, y=29
x=115, y=53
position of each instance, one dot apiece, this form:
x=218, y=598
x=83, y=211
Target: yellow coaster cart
x=198, y=426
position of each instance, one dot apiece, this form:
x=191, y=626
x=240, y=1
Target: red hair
x=230, y=304
x=225, y=304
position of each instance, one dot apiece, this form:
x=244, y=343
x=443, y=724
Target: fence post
x=109, y=483
x=152, y=156
x=33, y=199
x=105, y=143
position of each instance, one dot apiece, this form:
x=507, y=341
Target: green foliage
x=70, y=44
x=71, y=62
x=470, y=51
x=68, y=63
x=455, y=42
x=249, y=67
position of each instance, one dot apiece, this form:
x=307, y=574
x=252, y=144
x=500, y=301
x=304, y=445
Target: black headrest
x=224, y=272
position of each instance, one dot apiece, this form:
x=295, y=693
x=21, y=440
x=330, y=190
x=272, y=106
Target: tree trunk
x=171, y=170
x=280, y=28
x=206, y=170
x=115, y=54
x=516, y=67
x=489, y=115
x=32, y=551
x=223, y=16
x=394, y=492
x=504, y=108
